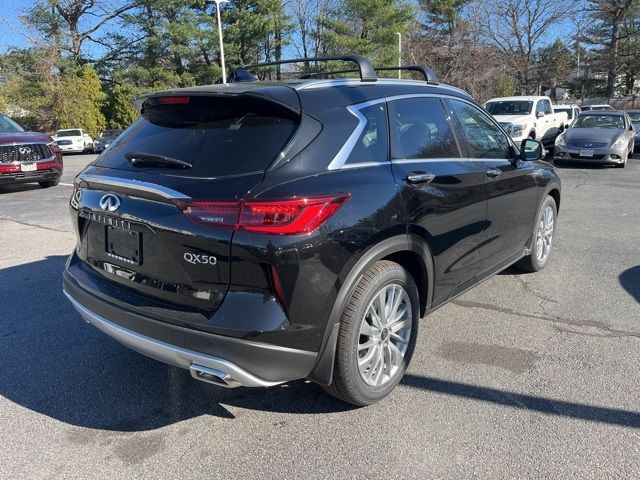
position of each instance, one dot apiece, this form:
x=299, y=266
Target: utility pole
x=399, y=54
x=222, y=62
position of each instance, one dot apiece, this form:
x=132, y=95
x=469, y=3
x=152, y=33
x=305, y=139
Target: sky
x=12, y=33
x=10, y=23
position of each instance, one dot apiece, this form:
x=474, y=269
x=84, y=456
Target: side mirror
x=26, y=128
x=530, y=150
x=540, y=114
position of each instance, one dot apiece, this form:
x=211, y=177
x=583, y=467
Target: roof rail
x=365, y=69
x=427, y=72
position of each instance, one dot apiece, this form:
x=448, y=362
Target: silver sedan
x=605, y=137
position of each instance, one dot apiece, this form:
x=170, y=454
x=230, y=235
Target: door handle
x=494, y=172
x=420, y=177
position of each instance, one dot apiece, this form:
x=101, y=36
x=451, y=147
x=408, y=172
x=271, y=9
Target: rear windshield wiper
x=140, y=158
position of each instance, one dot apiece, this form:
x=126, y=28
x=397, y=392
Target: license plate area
x=586, y=153
x=28, y=167
x=123, y=245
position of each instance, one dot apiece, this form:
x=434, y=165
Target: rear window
x=68, y=133
x=218, y=136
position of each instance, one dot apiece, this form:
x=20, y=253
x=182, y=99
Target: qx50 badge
x=199, y=259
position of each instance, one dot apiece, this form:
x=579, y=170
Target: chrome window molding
x=340, y=159
x=449, y=159
x=134, y=184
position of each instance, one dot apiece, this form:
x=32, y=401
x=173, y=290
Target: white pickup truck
x=531, y=117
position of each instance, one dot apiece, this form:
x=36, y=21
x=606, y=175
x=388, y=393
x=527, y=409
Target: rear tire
x=541, y=238
x=49, y=183
x=373, y=351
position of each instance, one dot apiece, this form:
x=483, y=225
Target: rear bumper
x=240, y=362
x=71, y=148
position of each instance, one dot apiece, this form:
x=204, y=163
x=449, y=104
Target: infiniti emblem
x=24, y=150
x=109, y=203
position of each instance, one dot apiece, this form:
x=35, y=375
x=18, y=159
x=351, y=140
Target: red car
x=27, y=157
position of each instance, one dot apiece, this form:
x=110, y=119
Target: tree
x=69, y=24
x=505, y=86
x=3, y=103
x=119, y=109
x=443, y=15
x=555, y=65
x=79, y=102
x=367, y=27
x=518, y=28
x=608, y=18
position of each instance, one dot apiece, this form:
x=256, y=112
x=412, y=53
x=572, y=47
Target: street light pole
x=399, y=54
x=222, y=62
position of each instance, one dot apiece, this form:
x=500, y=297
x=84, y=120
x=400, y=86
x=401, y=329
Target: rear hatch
x=136, y=207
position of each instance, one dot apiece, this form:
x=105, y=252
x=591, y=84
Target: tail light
x=298, y=216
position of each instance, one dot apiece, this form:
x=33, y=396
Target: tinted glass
x=603, y=107
x=568, y=111
x=373, y=144
x=218, y=136
x=484, y=138
x=8, y=125
x=509, y=108
x=599, y=121
x=420, y=129
x=110, y=133
x=635, y=117
x=68, y=133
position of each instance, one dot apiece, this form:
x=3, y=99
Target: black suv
x=261, y=232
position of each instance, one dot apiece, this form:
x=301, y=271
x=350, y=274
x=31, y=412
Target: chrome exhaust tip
x=213, y=376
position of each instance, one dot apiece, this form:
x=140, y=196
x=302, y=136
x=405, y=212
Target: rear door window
x=420, y=129
x=218, y=136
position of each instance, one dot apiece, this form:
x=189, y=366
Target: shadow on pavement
x=630, y=281
x=520, y=401
x=19, y=187
x=53, y=363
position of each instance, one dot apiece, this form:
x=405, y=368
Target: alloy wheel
x=385, y=331
x=544, y=234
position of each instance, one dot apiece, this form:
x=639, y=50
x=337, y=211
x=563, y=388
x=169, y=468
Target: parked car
x=596, y=107
x=27, y=157
x=572, y=112
x=73, y=140
x=105, y=139
x=528, y=117
x=597, y=137
x=256, y=233
x=634, y=116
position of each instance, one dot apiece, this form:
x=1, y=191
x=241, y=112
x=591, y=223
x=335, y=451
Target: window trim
x=339, y=160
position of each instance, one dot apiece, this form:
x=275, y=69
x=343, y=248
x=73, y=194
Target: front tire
x=542, y=238
x=377, y=335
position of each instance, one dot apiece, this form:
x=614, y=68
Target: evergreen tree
x=368, y=27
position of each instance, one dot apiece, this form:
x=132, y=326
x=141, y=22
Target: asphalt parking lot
x=526, y=376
